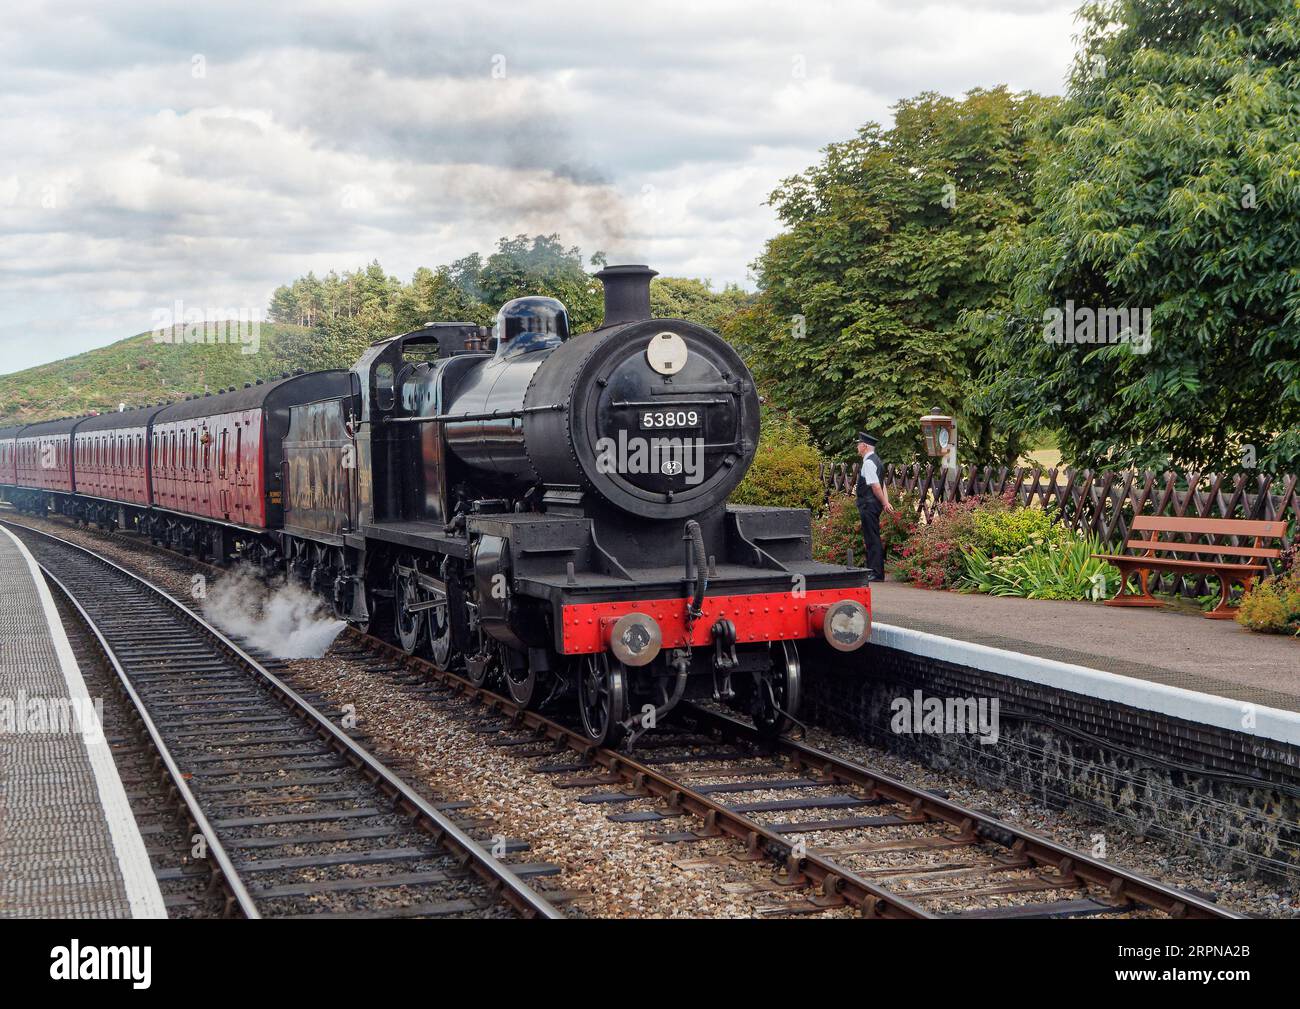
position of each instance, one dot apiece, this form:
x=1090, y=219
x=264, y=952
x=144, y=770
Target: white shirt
x=869, y=473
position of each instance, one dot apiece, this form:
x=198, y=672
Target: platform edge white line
x=1177, y=702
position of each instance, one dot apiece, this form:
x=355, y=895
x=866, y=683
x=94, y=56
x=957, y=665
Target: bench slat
x=1212, y=527
x=1223, y=549
x=1170, y=563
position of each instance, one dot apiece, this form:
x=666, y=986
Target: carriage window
x=239, y=445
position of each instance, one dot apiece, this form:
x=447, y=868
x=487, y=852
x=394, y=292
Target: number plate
x=670, y=420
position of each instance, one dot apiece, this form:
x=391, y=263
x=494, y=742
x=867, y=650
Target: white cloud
x=322, y=135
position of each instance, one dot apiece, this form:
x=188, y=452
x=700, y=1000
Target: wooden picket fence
x=1100, y=503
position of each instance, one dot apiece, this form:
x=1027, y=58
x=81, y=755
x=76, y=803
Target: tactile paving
x=58, y=856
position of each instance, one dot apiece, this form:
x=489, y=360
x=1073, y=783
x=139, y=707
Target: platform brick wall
x=1199, y=806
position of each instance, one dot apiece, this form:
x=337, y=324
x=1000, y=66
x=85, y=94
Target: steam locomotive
x=545, y=511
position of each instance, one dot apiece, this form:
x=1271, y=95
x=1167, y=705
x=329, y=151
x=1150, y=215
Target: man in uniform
x=873, y=498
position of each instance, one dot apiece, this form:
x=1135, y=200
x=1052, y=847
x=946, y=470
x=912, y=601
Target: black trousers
x=871, y=539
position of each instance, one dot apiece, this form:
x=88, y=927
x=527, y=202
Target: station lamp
x=940, y=433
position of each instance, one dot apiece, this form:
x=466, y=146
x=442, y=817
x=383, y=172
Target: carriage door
x=223, y=478
x=205, y=472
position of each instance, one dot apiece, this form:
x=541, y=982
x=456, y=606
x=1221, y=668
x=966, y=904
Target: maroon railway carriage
x=9, y=458
x=217, y=464
x=43, y=470
x=206, y=474
x=111, y=465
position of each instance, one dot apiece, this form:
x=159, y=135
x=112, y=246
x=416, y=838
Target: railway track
x=839, y=834
x=292, y=816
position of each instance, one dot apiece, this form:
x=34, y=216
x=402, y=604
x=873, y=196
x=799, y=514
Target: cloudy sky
x=209, y=152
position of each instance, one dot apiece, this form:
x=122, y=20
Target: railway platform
x=1163, y=658
x=69, y=843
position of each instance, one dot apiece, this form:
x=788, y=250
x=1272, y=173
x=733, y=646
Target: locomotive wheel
x=602, y=699
x=438, y=624
x=784, y=681
x=480, y=667
x=406, y=625
x=522, y=685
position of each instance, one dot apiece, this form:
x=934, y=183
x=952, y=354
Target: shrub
x=1058, y=565
x=786, y=472
x=1272, y=606
x=1005, y=530
x=931, y=557
x=897, y=529
x=836, y=529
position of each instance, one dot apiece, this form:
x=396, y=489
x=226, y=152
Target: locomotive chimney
x=627, y=293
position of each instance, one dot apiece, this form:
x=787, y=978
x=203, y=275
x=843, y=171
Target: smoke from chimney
x=627, y=293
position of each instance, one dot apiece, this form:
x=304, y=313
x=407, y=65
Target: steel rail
x=231, y=880
x=1120, y=883
x=498, y=876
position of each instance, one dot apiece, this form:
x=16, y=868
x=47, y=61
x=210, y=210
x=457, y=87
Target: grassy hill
x=139, y=370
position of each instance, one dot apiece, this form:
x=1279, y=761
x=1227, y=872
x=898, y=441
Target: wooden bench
x=1227, y=562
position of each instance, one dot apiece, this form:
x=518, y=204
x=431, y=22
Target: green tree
x=542, y=265
x=686, y=298
x=1175, y=190
x=350, y=310
x=858, y=318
